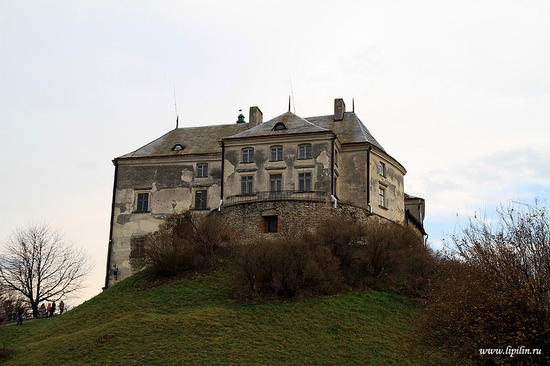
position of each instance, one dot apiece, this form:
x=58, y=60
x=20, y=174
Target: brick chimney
x=255, y=117
x=339, y=109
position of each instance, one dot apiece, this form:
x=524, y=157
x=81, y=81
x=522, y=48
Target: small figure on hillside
x=42, y=311
x=52, y=311
x=20, y=313
x=61, y=307
x=49, y=310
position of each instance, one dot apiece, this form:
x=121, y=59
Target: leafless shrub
x=377, y=253
x=395, y=258
x=495, y=292
x=186, y=243
x=341, y=253
x=343, y=236
x=286, y=268
x=9, y=304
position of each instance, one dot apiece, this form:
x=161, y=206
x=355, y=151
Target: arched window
x=279, y=126
x=178, y=147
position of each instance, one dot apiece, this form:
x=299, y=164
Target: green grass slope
x=195, y=322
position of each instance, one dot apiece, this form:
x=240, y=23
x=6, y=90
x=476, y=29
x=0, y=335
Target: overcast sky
x=457, y=91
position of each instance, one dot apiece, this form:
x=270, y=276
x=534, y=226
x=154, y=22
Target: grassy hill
x=195, y=322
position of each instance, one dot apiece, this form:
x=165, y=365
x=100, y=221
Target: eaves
x=164, y=158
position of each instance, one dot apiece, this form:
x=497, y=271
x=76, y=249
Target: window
x=202, y=170
x=276, y=185
x=200, y=200
x=304, y=151
x=137, y=247
x=271, y=224
x=142, y=202
x=336, y=157
x=247, y=185
x=304, y=182
x=382, y=169
x=279, y=126
x=382, y=197
x=248, y=155
x=276, y=153
x=178, y=147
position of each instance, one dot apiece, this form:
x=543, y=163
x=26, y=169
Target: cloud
x=499, y=177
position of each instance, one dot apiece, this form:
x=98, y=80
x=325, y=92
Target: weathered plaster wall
x=171, y=188
x=392, y=182
x=357, y=178
x=289, y=167
x=352, y=177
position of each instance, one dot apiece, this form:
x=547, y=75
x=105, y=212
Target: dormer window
x=279, y=126
x=178, y=147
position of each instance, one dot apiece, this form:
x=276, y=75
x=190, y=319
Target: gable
x=285, y=124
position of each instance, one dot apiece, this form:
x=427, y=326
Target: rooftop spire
x=240, y=118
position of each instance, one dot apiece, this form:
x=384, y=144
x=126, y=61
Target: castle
x=266, y=177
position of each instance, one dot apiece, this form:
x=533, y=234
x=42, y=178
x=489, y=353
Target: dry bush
x=286, y=268
x=339, y=254
x=395, y=258
x=9, y=303
x=343, y=236
x=378, y=253
x=186, y=243
x=495, y=292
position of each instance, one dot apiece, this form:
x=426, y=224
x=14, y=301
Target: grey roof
x=293, y=125
x=411, y=197
x=205, y=140
x=195, y=140
x=350, y=130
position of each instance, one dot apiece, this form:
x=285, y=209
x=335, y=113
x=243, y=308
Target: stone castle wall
x=293, y=216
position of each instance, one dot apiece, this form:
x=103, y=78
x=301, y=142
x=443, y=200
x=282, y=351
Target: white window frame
x=382, y=169
x=202, y=170
x=304, y=182
x=276, y=153
x=382, y=197
x=247, y=154
x=304, y=151
x=247, y=185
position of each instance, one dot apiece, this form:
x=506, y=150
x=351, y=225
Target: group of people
x=46, y=311
x=43, y=312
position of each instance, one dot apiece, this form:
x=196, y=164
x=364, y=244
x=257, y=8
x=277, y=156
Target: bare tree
x=37, y=263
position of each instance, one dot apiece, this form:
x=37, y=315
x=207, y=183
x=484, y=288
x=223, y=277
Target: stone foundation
x=293, y=217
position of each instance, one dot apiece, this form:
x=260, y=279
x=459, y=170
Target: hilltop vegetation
x=196, y=321
x=311, y=299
